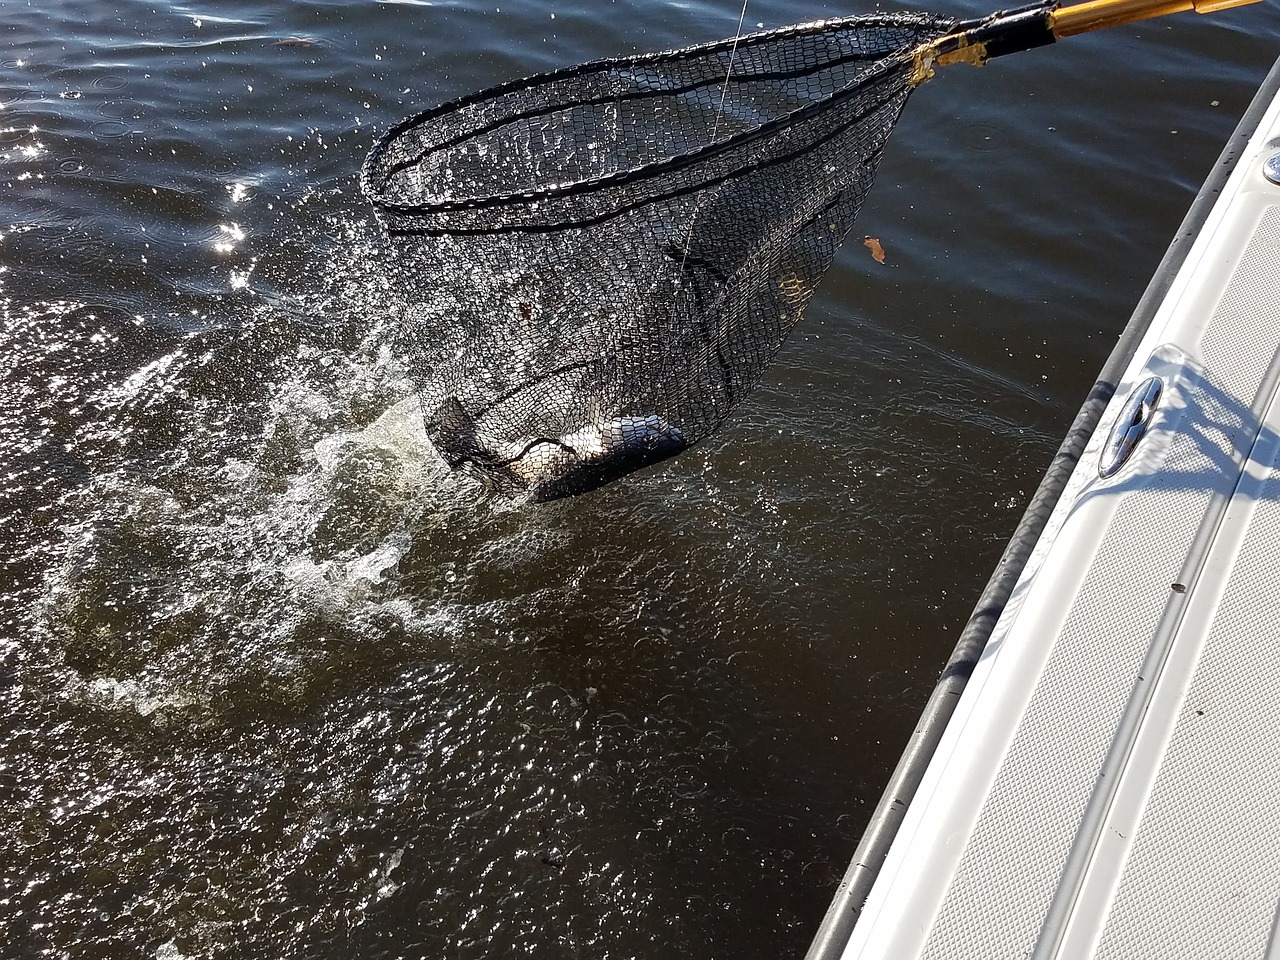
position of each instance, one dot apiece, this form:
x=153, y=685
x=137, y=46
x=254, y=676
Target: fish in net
x=598, y=263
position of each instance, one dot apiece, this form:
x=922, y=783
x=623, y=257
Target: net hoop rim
x=369, y=172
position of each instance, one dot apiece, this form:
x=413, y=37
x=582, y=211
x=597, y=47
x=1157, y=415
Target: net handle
x=1100, y=14
x=1009, y=31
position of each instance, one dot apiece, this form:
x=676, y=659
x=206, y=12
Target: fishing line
x=715, y=131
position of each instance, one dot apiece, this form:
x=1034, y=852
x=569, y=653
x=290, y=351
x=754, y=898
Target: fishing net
x=598, y=263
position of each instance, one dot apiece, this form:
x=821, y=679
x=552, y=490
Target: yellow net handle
x=1099, y=14
x=1008, y=31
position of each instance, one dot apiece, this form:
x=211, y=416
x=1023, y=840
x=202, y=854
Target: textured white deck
x=1110, y=783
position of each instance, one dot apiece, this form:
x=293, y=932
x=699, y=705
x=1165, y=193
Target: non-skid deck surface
x=1110, y=785
x=1127, y=613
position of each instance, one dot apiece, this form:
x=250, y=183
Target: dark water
x=273, y=685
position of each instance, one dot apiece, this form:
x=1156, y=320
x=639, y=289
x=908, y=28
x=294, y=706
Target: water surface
x=273, y=684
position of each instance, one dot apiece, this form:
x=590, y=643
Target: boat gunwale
x=846, y=906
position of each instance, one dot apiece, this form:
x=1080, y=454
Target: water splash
x=242, y=496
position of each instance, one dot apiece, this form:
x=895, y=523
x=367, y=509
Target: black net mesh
x=599, y=262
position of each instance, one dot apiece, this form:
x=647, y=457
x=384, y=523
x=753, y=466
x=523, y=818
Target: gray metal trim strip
x=837, y=926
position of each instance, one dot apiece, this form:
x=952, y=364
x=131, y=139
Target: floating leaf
x=877, y=251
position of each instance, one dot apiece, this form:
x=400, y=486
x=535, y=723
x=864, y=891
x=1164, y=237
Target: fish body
x=546, y=468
